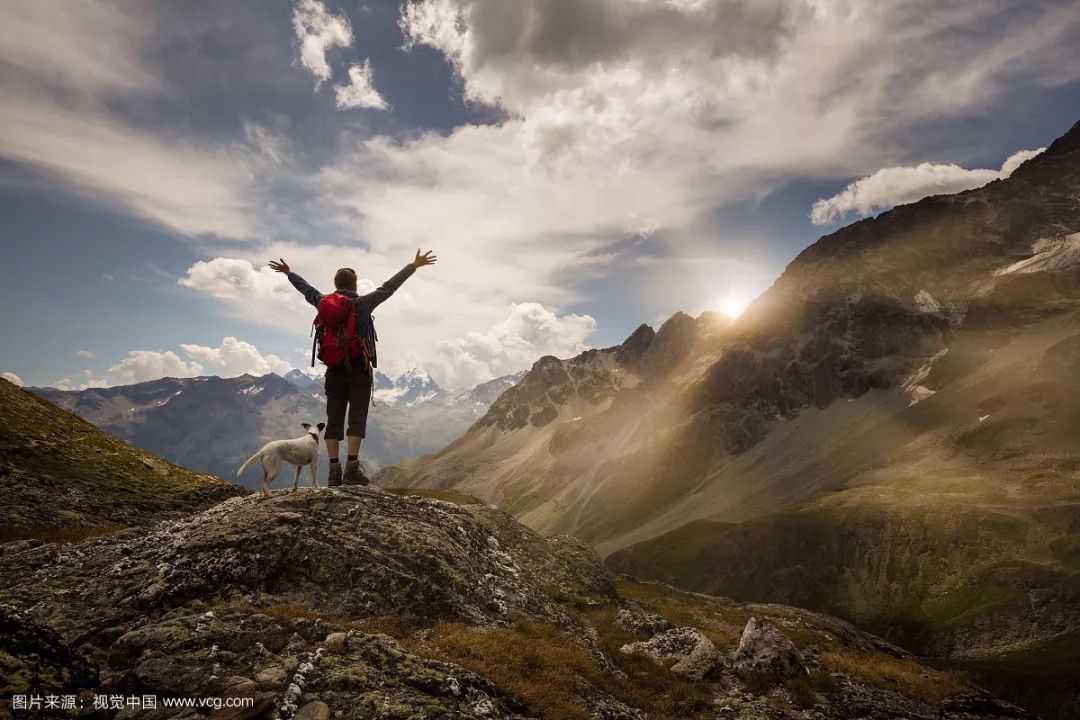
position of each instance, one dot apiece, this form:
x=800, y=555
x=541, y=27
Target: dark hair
x=345, y=279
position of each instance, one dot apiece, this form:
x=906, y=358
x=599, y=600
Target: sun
x=733, y=304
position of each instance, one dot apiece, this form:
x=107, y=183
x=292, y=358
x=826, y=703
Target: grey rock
x=336, y=642
x=639, y=619
x=313, y=711
x=274, y=675
x=694, y=655
x=764, y=650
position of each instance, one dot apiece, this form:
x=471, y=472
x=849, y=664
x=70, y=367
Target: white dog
x=300, y=451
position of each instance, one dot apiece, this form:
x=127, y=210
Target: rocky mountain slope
x=62, y=478
x=887, y=433
x=361, y=603
x=213, y=424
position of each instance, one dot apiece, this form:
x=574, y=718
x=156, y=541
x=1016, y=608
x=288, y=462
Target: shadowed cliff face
x=906, y=377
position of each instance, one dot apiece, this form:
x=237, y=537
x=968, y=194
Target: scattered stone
x=313, y=711
x=273, y=675
x=764, y=650
x=336, y=643
x=640, y=620
x=694, y=655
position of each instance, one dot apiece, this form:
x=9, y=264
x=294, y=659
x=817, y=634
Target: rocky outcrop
x=685, y=651
x=763, y=650
x=357, y=603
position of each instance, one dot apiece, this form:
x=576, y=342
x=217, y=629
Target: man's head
x=345, y=279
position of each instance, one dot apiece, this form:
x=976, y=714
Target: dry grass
x=884, y=671
x=544, y=668
x=11, y=533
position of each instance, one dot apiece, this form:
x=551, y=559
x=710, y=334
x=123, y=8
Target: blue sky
x=580, y=167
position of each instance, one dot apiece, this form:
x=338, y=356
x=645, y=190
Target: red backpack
x=337, y=334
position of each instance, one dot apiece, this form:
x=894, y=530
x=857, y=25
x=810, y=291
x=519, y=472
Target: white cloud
x=893, y=186
x=528, y=331
x=317, y=31
x=236, y=357
x=85, y=354
x=360, y=92
x=145, y=365
x=12, y=378
x=231, y=358
x=235, y=279
x=87, y=381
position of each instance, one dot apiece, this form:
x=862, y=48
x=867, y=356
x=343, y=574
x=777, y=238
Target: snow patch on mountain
x=1050, y=254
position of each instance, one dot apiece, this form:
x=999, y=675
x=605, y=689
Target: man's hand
x=425, y=259
x=281, y=266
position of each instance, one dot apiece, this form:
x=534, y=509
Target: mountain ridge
x=214, y=424
x=914, y=356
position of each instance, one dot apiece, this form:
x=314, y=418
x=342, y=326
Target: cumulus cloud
x=528, y=331
x=236, y=357
x=84, y=381
x=145, y=365
x=317, y=31
x=85, y=354
x=12, y=378
x=360, y=92
x=893, y=186
x=231, y=358
x=228, y=278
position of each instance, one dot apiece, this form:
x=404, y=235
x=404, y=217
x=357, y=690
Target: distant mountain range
x=212, y=424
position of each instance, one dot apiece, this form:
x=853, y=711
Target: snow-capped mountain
x=213, y=424
x=411, y=388
x=308, y=377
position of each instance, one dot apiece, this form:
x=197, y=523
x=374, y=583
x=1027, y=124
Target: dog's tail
x=250, y=461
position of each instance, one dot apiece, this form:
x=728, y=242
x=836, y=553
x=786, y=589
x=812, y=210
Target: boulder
x=336, y=643
x=764, y=650
x=313, y=711
x=690, y=653
x=641, y=620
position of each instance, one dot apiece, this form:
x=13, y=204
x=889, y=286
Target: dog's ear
x=321, y=426
x=306, y=426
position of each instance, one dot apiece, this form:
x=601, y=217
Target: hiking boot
x=335, y=475
x=354, y=473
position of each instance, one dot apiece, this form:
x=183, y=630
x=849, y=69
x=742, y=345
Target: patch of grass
x=1057, y=653
x=884, y=671
x=533, y=662
x=967, y=602
x=543, y=667
x=805, y=689
x=399, y=627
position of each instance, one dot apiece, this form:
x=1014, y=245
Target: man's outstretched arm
x=374, y=298
x=310, y=294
